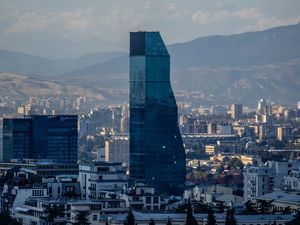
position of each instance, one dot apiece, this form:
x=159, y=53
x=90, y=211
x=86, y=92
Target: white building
x=33, y=211
x=260, y=180
x=117, y=149
x=97, y=177
x=292, y=181
x=142, y=197
x=212, y=194
x=63, y=186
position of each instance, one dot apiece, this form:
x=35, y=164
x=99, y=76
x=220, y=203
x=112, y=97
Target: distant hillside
x=21, y=63
x=220, y=69
x=20, y=86
x=236, y=68
x=275, y=45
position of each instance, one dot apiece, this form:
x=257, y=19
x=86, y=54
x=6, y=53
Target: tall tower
x=157, y=156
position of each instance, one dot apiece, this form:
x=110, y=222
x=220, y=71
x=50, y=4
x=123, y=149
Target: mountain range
x=218, y=69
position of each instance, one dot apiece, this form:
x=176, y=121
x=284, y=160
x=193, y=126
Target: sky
x=108, y=22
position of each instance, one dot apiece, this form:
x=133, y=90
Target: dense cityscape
x=236, y=161
x=160, y=151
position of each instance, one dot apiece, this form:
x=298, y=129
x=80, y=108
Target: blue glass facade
x=41, y=137
x=157, y=156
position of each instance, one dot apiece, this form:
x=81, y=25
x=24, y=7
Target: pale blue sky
x=111, y=20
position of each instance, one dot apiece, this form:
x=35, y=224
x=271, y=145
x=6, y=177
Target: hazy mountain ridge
x=235, y=68
x=21, y=86
x=22, y=63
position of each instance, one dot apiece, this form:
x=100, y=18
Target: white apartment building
x=260, y=180
x=292, y=181
x=142, y=197
x=97, y=177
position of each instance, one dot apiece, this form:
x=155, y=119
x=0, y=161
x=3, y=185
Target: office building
x=236, y=111
x=41, y=137
x=157, y=156
x=117, y=149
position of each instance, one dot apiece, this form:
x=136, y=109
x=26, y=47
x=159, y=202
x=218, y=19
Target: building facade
x=117, y=149
x=41, y=137
x=157, y=156
x=97, y=178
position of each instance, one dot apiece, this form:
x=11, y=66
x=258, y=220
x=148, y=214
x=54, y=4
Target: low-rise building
x=63, y=186
x=292, y=181
x=142, y=197
x=263, y=179
x=96, y=177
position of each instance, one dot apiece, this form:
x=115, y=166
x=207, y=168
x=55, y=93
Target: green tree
x=249, y=208
x=82, y=218
x=190, y=219
x=211, y=220
x=52, y=212
x=6, y=219
x=235, y=164
x=169, y=221
x=296, y=219
x=264, y=206
x=130, y=220
x=230, y=220
x=151, y=222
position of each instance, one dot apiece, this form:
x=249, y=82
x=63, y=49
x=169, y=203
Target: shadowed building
x=41, y=137
x=157, y=156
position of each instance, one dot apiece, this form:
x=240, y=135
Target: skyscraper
x=157, y=156
x=41, y=137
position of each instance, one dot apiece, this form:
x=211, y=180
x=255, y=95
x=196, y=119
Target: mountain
x=20, y=86
x=212, y=70
x=275, y=45
x=22, y=63
x=223, y=69
x=56, y=48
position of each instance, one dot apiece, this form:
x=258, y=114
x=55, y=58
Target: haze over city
x=50, y=28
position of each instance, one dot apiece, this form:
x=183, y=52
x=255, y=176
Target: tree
x=169, y=221
x=211, y=220
x=264, y=206
x=190, y=219
x=151, y=222
x=130, y=220
x=295, y=220
x=249, y=208
x=235, y=164
x=82, y=218
x=52, y=212
x=230, y=220
x=6, y=219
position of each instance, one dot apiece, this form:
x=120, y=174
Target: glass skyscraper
x=157, y=156
x=41, y=137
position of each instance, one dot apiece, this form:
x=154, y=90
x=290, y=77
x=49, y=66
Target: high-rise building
x=117, y=149
x=236, y=111
x=157, y=156
x=41, y=137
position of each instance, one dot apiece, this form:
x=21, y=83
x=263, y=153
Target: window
x=148, y=200
x=102, y=169
x=95, y=217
